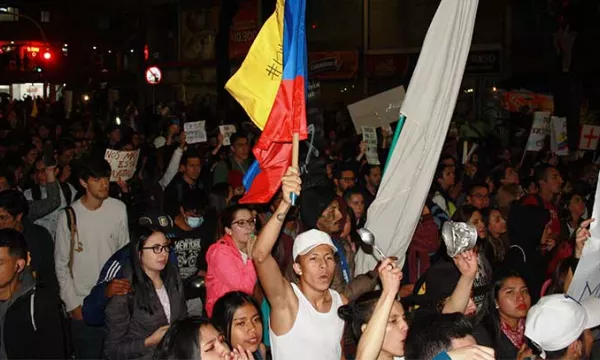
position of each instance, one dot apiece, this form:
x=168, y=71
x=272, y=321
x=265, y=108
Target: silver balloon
x=459, y=237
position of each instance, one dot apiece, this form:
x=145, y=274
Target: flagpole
x=295, y=156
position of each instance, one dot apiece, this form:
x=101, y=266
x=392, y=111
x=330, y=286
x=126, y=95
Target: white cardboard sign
x=195, y=132
x=122, y=163
x=227, y=131
x=377, y=110
x=369, y=134
x=539, y=130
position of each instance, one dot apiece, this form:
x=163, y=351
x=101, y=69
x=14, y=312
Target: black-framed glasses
x=157, y=249
x=243, y=223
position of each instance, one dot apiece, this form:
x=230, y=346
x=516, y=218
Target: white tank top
x=314, y=335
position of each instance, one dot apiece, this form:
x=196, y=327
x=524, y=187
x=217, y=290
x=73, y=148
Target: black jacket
x=31, y=323
x=175, y=192
x=128, y=325
x=41, y=249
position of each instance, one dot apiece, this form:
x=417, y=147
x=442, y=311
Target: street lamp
x=4, y=10
x=86, y=98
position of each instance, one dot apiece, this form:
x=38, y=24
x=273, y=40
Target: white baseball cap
x=556, y=321
x=309, y=240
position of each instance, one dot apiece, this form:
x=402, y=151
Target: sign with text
x=244, y=28
x=195, y=132
x=122, y=163
x=377, y=110
x=332, y=65
x=370, y=137
x=227, y=131
x=558, y=136
x=539, y=130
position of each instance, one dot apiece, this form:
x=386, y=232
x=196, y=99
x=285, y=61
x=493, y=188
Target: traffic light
x=38, y=69
x=47, y=55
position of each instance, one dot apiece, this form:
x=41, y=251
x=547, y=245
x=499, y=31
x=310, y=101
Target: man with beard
x=89, y=232
x=321, y=209
x=372, y=178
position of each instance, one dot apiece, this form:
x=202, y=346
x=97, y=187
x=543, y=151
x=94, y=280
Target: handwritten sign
x=539, y=130
x=586, y=280
x=558, y=136
x=122, y=163
x=227, y=131
x=195, y=132
x=369, y=134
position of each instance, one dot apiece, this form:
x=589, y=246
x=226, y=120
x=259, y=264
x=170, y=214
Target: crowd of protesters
x=170, y=265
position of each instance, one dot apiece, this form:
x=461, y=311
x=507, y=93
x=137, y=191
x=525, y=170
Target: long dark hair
x=359, y=312
x=142, y=287
x=225, y=308
x=227, y=216
x=492, y=320
x=182, y=340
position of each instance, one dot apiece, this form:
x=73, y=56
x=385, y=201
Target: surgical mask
x=194, y=222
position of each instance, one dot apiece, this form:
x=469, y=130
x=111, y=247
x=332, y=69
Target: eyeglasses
x=157, y=249
x=244, y=223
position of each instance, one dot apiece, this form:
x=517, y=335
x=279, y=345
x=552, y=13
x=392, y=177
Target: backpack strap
x=72, y=225
x=66, y=189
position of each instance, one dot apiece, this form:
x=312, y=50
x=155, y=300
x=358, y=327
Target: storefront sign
x=385, y=66
x=484, y=62
x=333, y=65
x=244, y=29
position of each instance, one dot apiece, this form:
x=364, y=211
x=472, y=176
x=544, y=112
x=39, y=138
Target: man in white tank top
x=304, y=323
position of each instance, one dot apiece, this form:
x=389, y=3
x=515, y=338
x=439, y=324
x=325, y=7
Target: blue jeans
x=87, y=340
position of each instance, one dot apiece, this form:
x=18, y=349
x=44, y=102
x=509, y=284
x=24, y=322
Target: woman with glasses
x=230, y=267
x=136, y=322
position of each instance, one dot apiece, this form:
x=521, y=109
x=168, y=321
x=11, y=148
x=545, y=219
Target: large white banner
x=428, y=107
x=586, y=280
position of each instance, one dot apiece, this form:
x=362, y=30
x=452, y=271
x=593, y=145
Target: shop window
x=9, y=14
x=45, y=17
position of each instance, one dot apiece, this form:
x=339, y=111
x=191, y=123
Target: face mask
x=194, y=222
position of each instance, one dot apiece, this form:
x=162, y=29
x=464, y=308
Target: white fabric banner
x=586, y=280
x=428, y=107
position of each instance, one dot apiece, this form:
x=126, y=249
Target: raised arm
x=277, y=289
x=459, y=300
x=371, y=340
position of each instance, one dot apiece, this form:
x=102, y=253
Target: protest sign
x=586, y=280
x=539, y=130
x=195, y=132
x=227, y=131
x=122, y=163
x=377, y=110
x=588, y=139
x=369, y=134
x=558, y=136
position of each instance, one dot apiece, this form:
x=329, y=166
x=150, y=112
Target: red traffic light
x=47, y=55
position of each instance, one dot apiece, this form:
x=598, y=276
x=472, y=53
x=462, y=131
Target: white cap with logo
x=309, y=240
x=556, y=321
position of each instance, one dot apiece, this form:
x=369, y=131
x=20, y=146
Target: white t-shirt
x=164, y=301
x=100, y=233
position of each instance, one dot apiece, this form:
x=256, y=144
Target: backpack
x=36, y=192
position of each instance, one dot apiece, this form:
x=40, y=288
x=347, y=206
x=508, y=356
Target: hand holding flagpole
x=295, y=155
